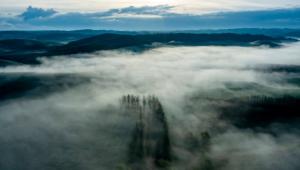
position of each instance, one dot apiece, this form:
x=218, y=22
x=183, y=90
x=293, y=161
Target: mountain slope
x=115, y=41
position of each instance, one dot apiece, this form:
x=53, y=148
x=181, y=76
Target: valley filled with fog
x=67, y=112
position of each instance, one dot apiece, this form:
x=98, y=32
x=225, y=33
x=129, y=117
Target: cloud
x=6, y=26
x=32, y=13
x=153, y=18
x=133, y=16
x=257, y=150
x=157, y=10
x=191, y=6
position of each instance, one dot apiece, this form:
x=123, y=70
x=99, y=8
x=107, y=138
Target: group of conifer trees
x=150, y=143
x=150, y=146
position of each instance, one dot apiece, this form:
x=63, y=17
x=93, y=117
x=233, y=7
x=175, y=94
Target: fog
x=70, y=118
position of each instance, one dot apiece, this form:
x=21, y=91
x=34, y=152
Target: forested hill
x=26, y=51
x=115, y=41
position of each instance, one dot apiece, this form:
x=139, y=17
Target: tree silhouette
x=150, y=144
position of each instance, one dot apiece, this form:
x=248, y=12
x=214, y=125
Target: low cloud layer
x=80, y=127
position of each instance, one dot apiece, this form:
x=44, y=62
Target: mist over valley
x=169, y=107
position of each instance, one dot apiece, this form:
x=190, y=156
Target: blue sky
x=148, y=14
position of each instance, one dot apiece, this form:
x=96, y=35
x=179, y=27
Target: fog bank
x=69, y=116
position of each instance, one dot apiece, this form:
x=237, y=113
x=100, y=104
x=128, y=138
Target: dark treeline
x=262, y=111
x=150, y=144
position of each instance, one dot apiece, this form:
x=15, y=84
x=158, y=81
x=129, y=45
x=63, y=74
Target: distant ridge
x=27, y=51
x=116, y=41
x=63, y=36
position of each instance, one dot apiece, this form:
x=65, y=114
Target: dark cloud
x=32, y=13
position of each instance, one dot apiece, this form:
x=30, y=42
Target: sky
x=185, y=6
x=147, y=14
